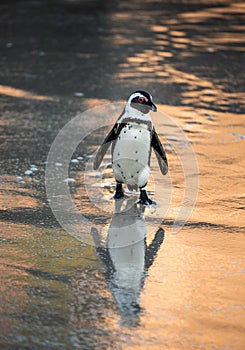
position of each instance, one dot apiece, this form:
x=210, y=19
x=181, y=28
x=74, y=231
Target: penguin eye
x=141, y=99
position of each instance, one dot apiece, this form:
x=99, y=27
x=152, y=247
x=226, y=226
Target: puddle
x=166, y=290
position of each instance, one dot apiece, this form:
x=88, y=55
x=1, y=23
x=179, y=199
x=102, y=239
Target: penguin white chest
x=127, y=248
x=131, y=154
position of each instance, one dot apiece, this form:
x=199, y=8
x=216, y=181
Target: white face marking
x=136, y=94
x=133, y=113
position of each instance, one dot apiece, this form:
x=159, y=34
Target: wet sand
x=60, y=58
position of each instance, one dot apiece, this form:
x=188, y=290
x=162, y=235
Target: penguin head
x=142, y=101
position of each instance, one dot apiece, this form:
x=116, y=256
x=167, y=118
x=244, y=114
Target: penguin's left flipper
x=105, y=145
x=159, y=151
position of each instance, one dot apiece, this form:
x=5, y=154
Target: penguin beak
x=153, y=107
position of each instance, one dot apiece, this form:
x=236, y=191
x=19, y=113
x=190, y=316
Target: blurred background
x=59, y=58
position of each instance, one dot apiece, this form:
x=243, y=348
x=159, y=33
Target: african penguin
x=132, y=138
x=127, y=255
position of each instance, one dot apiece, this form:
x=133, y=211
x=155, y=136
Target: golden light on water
x=57, y=291
x=20, y=93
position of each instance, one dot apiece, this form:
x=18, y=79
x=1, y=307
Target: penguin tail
x=132, y=188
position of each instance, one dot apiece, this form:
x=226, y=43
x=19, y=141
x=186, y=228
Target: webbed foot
x=144, y=199
x=119, y=194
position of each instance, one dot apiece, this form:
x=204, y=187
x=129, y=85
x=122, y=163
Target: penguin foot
x=119, y=194
x=146, y=202
x=144, y=199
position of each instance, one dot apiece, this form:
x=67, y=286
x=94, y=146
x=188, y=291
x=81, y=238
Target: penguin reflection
x=127, y=256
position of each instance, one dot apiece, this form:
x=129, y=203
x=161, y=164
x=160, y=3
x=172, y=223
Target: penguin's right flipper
x=160, y=153
x=105, y=145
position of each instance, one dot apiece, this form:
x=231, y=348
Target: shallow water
x=182, y=287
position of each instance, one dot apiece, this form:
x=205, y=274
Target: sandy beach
x=77, y=62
